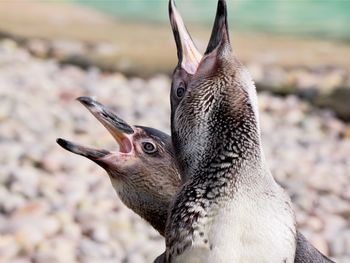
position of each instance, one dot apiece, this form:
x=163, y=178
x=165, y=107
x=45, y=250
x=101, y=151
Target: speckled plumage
x=229, y=209
x=222, y=161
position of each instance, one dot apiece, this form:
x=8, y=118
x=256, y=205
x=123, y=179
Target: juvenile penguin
x=148, y=177
x=136, y=171
x=230, y=209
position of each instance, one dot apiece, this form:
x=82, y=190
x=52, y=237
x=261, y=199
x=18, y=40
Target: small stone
x=19, y=260
x=347, y=132
x=9, y=202
x=8, y=248
x=27, y=238
x=38, y=47
x=24, y=181
x=8, y=45
x=50, y=162
x=135, y=258
x=100, y=234
x=72, y=231
x=58, y=249
x=44, y=257
x=105, y=49
x=332, y=79
x=31, y=209
x=337, y=246
x=315, y=223
x=334, y=225
x=65, y=48
x=50, y=226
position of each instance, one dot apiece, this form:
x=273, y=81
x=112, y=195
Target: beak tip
x=187, y=52
x=60, y=141
x=90, y=153
x=220, y=32
x=171, y=6
x=63, y=143
x=222, y=8
x=86, y=101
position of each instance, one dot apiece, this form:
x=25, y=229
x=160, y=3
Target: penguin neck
x=146, y=204
x=233, y=162
x=231, y=150
x=155, y=214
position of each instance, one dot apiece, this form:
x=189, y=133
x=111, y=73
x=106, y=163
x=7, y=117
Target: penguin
x=135, y=183
x=136, y=171
x=229, y=208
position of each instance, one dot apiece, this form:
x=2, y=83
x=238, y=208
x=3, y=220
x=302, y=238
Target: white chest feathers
x=247, y=230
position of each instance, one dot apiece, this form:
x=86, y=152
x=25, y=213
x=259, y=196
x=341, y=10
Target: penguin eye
x=149, y=147
x=180, y=91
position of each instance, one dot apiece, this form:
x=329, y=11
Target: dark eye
x=180, y=91
x=148, y=147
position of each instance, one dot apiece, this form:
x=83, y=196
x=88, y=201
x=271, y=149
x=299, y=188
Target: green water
x=321, y=18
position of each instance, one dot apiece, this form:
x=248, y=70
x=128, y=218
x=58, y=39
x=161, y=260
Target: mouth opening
x=121, y=131
x=124, y=142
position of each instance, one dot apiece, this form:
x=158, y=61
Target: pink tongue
x=125, y=146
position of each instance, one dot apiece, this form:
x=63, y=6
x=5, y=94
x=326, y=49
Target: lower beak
x=92, y=154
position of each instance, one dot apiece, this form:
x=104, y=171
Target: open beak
x=119, y=129
x=187, y=53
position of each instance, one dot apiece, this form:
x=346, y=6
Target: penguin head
x=209, y=92
x=142, y=168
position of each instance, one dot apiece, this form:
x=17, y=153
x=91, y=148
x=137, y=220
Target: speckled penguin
x=229, y=209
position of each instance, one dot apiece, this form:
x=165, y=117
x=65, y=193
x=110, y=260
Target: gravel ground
x=59, y=207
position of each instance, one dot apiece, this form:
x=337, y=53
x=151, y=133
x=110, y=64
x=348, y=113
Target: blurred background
x=59, y=207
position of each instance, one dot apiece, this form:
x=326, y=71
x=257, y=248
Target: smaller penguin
x=136, y=171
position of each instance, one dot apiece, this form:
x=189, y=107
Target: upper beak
x=188, y=55
x=118, y=128
x=219, y=35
